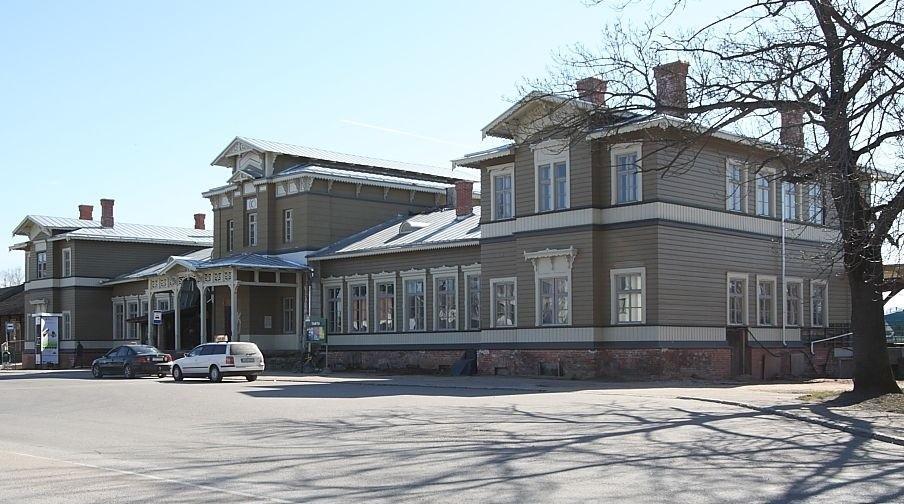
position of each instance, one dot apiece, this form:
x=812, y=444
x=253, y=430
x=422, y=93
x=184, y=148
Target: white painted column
x=151, y=339
x=178, y=318
x=234, y=310
x=299, y=316
x=203, y=289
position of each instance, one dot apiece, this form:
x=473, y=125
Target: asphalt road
x=67, y=438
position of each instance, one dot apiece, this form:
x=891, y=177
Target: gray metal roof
x=120, y=232
x=252, y=261
x=155, y=269
x=485, y=155
x=361, y=175
x=429, y=230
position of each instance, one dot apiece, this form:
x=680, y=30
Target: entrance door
x=737, y=341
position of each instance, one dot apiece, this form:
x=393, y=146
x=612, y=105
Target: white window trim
x=774, y=280
x=825, y=302
x=797, y=203
x=729, y=162
x=733, y=275
x=413, y=275
x=551, y=152
x=494, y=171
x=788, y=281
x=618, y=150
x=613, y=294
x=468, y=273
x=539, y=295
x=492, y=314
x=66, y=272
x=252, y=236
x=286, y=330
x=439, y=274
x=386, y=278
x=230, y=235
x=768, y=174
x=332, y=283
x=808, y=217
x=351, y=282
x=67, y=335
x=124, y=316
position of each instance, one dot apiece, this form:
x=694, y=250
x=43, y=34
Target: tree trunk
x=873, y=375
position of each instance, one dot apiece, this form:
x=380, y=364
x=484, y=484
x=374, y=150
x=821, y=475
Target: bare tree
x=11, y=277
x=832, y=70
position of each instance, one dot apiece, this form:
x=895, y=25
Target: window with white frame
x=132, y=313
x=66, y=330
x=358, y=307
x=385, y=306
x=815, y=204
x=552, y=177
x=41, y=264
x=763, y=195
x=252, y=229
x=334, y=309
x=288, y=315
x=552, y=275
x=162, y=301
x=415, y=304
x=765, y=301
x=473, y=300
x=445, y=305
x=790, y=201
x=819, y=303
x=734, y=186
x=287, y=225
x=66, y=261
x=119, y=320
x=737, y=299
x=626, y=174
x=794, y=302
x=554, y=300
x=503, y=191
x=628, y=295
x=230, y=235
x=503, y=293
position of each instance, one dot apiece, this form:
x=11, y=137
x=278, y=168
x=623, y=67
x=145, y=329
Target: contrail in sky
x=400, y=132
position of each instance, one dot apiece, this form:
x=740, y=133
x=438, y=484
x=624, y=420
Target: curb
x=857, y=431
x=291, y=379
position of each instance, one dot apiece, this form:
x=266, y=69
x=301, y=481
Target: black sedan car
x=131, y=361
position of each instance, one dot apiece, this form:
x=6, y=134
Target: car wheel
x=215, y=375
x=96, y=371
x=128, y=372
x=251, y=377
x=177, y=374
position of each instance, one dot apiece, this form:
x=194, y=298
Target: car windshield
x=243, y=349
x=144, y=349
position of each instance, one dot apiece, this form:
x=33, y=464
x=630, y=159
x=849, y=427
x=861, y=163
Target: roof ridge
x=252, y=139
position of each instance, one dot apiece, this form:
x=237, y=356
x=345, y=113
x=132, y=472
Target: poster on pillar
x=50, y=339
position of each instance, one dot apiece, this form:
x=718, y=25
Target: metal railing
x=830, y=338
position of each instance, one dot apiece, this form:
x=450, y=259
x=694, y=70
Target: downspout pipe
x=784, y=282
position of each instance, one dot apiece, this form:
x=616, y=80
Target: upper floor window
x=287, y=225
x=763, y=195
x=41, y=270
x=552, y=177
x=252, y=229
x=734, y=186
x=628, y=295
x=737, y=299
x=67, y=262
x=815, y=205
x=626, y=174
x=790, y=201
x=503, y=183
x=230, y=235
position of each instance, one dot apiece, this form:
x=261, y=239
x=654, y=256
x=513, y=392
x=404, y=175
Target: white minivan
x=216, y=360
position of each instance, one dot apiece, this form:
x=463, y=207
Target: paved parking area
x=68, y=438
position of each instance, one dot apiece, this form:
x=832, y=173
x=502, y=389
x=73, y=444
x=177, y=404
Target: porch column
x=151, y=339
x=203, y=289
x=299, y=305
x=177, y=318
x=234, y=311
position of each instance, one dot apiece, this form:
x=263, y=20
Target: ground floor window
x=132, y=327
x=66, y=330
x=358, y=301
x=415, y=305
x=794, y=302
x=473, y=301
x=446, y=304
x=288, y=315
x=737, y=299
x=334, y=309
x=628, y=295
x=819, y=301
x=554, y=306
x=765, y=301
x=119, y=316
x=503, y=300
x=385, y=306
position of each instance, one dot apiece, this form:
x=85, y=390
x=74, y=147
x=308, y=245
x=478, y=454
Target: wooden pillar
x=151, y=339
x=299, y=316
x=177, y=316
x=233, y=309
x=203, y=289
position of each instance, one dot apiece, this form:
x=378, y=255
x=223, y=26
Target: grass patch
x=819, y=396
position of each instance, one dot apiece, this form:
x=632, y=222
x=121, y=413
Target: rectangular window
x=288, y=315
x=815, y=205
x=737, y=299
x=794, y=302
x=763, y=195
x=230, y=235
x=790, y=201
x=819, y=302
x=132, y=327
x=765, y=302
x=252, y=229
x=415, y=305
x=734, y=186
x=554, y=307
x=287, y=225
x=552, y=178
x=66, y=330
x=504, y=314
x=334, y=310
x=503, y=201
x=446, y=304
x=358, y=301
x=628, y=296
x=41, y=264
x=163, y=302
x=544, y=188
x=119, y=318
x=385, y=306
x=627, y=178
x=473, y=281
x=67, y=262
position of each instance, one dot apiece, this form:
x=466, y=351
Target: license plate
x=248, y=359
x=157, y=359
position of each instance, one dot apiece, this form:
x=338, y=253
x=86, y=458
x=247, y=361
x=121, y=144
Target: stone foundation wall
x=415, y=361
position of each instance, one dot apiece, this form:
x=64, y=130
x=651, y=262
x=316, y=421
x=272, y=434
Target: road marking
x=155, y=478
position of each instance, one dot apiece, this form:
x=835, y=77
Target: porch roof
x=253, y=261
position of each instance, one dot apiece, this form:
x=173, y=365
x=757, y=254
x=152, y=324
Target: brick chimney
x=199, y=221
x=592, y=89
x=464, y=198
x=86, y=212
x=791, y=132
x=671, y=86
x=106, y=213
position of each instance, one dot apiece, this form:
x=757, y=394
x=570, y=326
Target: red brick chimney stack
x=791, y=132
x=199, y=221
x=106, y=213
x=592, y=89
x=671, y=86
x=464, y=198
x=86, y=212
